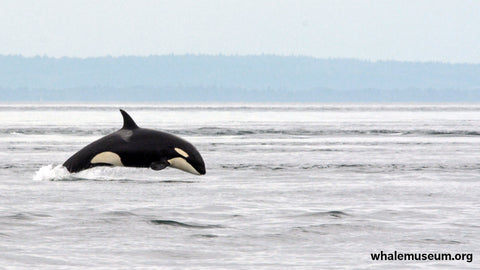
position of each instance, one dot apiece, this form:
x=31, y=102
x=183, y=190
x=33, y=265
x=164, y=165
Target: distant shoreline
x=263, y=78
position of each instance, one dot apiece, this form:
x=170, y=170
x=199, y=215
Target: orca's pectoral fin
x=159, y=165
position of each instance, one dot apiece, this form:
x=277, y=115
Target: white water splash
x=51, y=173
x=106, y=173
x=59, y=173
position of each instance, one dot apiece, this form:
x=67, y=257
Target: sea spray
x=51, y=173
x=60, y=173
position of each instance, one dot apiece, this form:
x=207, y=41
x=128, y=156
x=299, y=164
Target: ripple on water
x=120, y=213
x=439, y=241
x=205, y=235
x=334, y=213
x=185, y=225
x=24, y=216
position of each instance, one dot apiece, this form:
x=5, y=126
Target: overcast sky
x=446, y=31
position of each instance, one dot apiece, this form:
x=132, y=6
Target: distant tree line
x=234, y=78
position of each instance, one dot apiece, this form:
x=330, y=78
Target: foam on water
x=60, y=173
x=51, y=172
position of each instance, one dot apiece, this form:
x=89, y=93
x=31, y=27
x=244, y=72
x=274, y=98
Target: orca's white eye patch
x=181, y=152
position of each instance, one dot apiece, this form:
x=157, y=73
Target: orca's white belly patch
x=107, y=158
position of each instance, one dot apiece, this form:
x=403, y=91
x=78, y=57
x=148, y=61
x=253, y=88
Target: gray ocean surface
x=288, y=186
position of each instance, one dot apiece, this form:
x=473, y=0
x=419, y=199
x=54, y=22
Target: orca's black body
x=132, y=146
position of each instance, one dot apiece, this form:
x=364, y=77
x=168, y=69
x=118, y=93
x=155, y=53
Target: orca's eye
x=181, y=152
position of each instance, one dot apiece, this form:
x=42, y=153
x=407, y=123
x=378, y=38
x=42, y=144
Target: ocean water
x=288, y=186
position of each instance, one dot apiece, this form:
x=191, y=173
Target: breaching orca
x=132, y=146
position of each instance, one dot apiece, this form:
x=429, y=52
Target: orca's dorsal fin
x=128, y=122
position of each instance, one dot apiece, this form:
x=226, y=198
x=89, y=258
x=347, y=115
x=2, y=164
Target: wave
x=120, y=174
x=52, y=173
x=367, y=167
x=25, y=216
x=119, y=213
x=333, y=213
x=181, y=224
x=316, y=107
x=56, y=131
x=216, y=131
x=222, y=131
x=60, y=173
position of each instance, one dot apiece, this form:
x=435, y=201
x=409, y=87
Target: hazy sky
x=447, y=31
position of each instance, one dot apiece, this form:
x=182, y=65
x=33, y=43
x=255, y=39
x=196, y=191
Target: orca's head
x=188, y=159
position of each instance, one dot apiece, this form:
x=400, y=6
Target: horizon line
x=239, y=55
